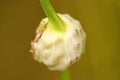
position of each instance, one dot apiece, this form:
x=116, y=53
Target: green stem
x=53, y=18
x=65, y=75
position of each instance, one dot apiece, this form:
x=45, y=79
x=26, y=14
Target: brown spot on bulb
x=77, y=57
x=38, y=36
x=76, y=31
x=71, y=61
x=81, y=31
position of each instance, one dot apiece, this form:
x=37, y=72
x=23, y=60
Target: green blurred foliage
x=100, y=20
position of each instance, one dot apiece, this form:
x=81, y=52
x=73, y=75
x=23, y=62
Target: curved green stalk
x=65, y=75
x=53, y=18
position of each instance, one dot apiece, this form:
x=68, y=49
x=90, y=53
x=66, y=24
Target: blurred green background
x=100, y=20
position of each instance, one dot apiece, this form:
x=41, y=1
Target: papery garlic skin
x=59, y=49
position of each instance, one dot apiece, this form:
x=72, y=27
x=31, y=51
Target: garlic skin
x=59, y=49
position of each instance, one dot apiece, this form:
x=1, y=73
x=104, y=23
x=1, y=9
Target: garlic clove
x=59, y=49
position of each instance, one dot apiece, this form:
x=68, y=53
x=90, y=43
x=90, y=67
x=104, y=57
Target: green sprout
x=54, y=20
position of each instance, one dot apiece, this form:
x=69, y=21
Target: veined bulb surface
x=58, y=49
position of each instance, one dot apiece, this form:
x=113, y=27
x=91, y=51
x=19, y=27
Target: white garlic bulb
x=59, y=49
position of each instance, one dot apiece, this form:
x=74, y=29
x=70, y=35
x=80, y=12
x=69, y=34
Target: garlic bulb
x=58, y=49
